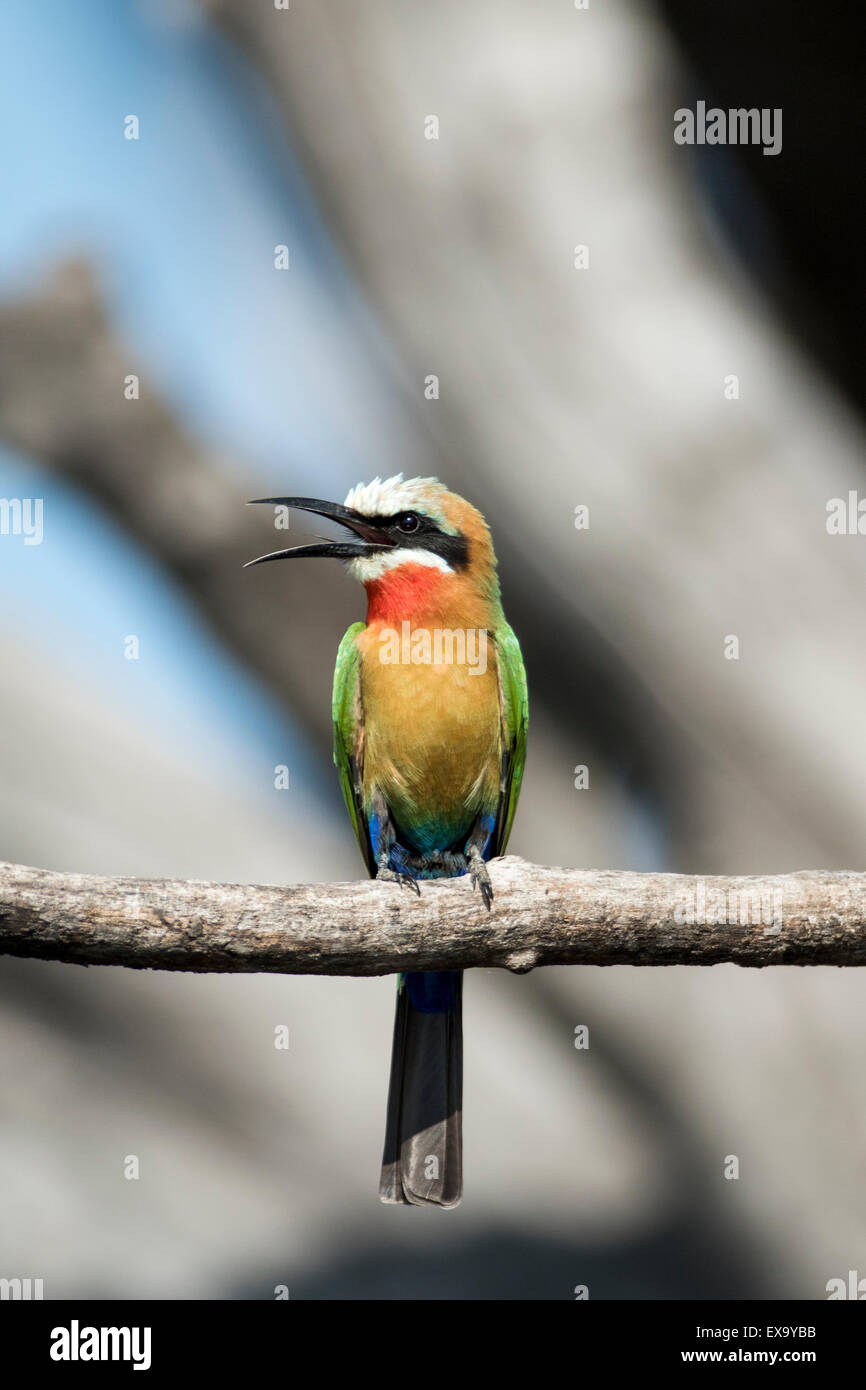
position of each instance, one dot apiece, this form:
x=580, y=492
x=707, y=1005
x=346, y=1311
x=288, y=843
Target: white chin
x=368, y=568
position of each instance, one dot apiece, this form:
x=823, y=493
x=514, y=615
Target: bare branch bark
x=540, y=916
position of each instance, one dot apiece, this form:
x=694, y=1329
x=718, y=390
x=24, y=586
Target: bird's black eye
x=407, y=522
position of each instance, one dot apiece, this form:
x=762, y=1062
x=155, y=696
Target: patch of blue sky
x=274, y=367
x=78, y=597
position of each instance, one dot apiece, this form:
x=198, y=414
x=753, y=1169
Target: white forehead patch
x=386, y=498
x=368, y=568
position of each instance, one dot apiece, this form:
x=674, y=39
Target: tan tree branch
x=541, y=916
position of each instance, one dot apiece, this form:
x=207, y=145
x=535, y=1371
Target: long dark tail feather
x=423, y=1160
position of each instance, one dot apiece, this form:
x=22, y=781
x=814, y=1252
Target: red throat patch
x=405, y=592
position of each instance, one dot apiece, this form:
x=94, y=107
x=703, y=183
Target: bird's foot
x=480, y=875
x=389, y=875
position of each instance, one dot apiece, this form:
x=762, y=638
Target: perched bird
x=430, y=717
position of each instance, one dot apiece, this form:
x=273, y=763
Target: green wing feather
x=348, y=737
x=514, y=706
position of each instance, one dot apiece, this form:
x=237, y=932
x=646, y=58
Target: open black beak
x=371, y=538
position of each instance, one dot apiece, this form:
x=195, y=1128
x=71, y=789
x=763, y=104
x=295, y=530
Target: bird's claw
x=480, y=875
x=389, y=875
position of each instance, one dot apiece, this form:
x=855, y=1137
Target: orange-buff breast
x=432, y=730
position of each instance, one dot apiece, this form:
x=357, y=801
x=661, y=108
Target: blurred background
x=607, y=387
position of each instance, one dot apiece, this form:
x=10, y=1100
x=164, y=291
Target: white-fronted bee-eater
x=430, y=718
